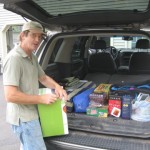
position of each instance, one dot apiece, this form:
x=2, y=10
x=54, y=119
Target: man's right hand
x=48, y=98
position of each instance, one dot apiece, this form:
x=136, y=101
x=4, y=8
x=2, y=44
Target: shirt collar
x=21, y=52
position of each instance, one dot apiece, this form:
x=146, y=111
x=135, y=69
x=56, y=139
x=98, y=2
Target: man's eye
x=32, y=35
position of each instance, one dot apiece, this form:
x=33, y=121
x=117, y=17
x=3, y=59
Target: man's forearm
x=48, y=82
x=15, y=96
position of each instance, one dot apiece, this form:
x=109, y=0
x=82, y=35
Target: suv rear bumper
x=77, y=140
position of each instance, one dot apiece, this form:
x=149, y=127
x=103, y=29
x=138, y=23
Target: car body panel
x=78, y=18
x=80, y=140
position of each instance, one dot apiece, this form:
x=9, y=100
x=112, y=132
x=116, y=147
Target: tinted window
x=76, y=51
x=55, y=51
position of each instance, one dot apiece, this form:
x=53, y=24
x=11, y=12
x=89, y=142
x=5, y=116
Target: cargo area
x=95, y=132
x=113, y=125
x=106, y=131
x=109, y=126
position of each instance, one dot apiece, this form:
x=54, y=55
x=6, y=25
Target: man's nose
x=38, y=39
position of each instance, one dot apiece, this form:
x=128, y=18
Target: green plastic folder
x=53, y=117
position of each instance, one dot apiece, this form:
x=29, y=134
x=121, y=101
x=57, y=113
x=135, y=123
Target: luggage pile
x=107, y=100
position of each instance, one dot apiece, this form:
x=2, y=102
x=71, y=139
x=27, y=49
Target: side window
x=94, y=38
x=79, y=48
x=76, y=51
x=55, y=50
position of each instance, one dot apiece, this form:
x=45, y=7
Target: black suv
x=103, y=41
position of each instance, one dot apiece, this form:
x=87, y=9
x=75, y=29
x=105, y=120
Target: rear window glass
x=58, y=7
x=119, y=42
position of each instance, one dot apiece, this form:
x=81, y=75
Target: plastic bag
x=141, y=111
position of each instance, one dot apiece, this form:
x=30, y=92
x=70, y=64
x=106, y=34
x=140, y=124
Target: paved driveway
x=8, y=141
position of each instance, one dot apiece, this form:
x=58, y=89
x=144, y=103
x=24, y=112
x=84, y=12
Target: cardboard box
x=103, y=88
x=97, y=111
x=97, y=100
x=114, y=105
x=126, y=107
x=53, y=117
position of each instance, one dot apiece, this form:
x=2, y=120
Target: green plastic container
x=53, y=117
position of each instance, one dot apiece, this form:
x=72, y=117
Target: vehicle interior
x=114, y=57
x=100, y=57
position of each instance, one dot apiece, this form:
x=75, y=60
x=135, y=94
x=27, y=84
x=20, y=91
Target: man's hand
x=50, y=83
x=48, y=98
x=61, y=93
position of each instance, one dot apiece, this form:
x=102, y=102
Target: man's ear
x=22, y=35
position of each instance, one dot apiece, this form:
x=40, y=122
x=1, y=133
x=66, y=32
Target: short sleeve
x=40, y=70
x=12, y=71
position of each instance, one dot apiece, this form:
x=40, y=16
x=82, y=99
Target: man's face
x=32, y=40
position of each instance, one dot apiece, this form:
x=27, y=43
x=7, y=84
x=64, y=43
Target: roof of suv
x=81, y=13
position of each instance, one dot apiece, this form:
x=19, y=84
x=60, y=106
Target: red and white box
x=114, y=105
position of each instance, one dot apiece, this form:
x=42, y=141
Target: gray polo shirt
x=19, y=70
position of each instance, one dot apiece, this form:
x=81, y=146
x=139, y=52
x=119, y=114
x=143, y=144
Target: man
x=20, y=78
